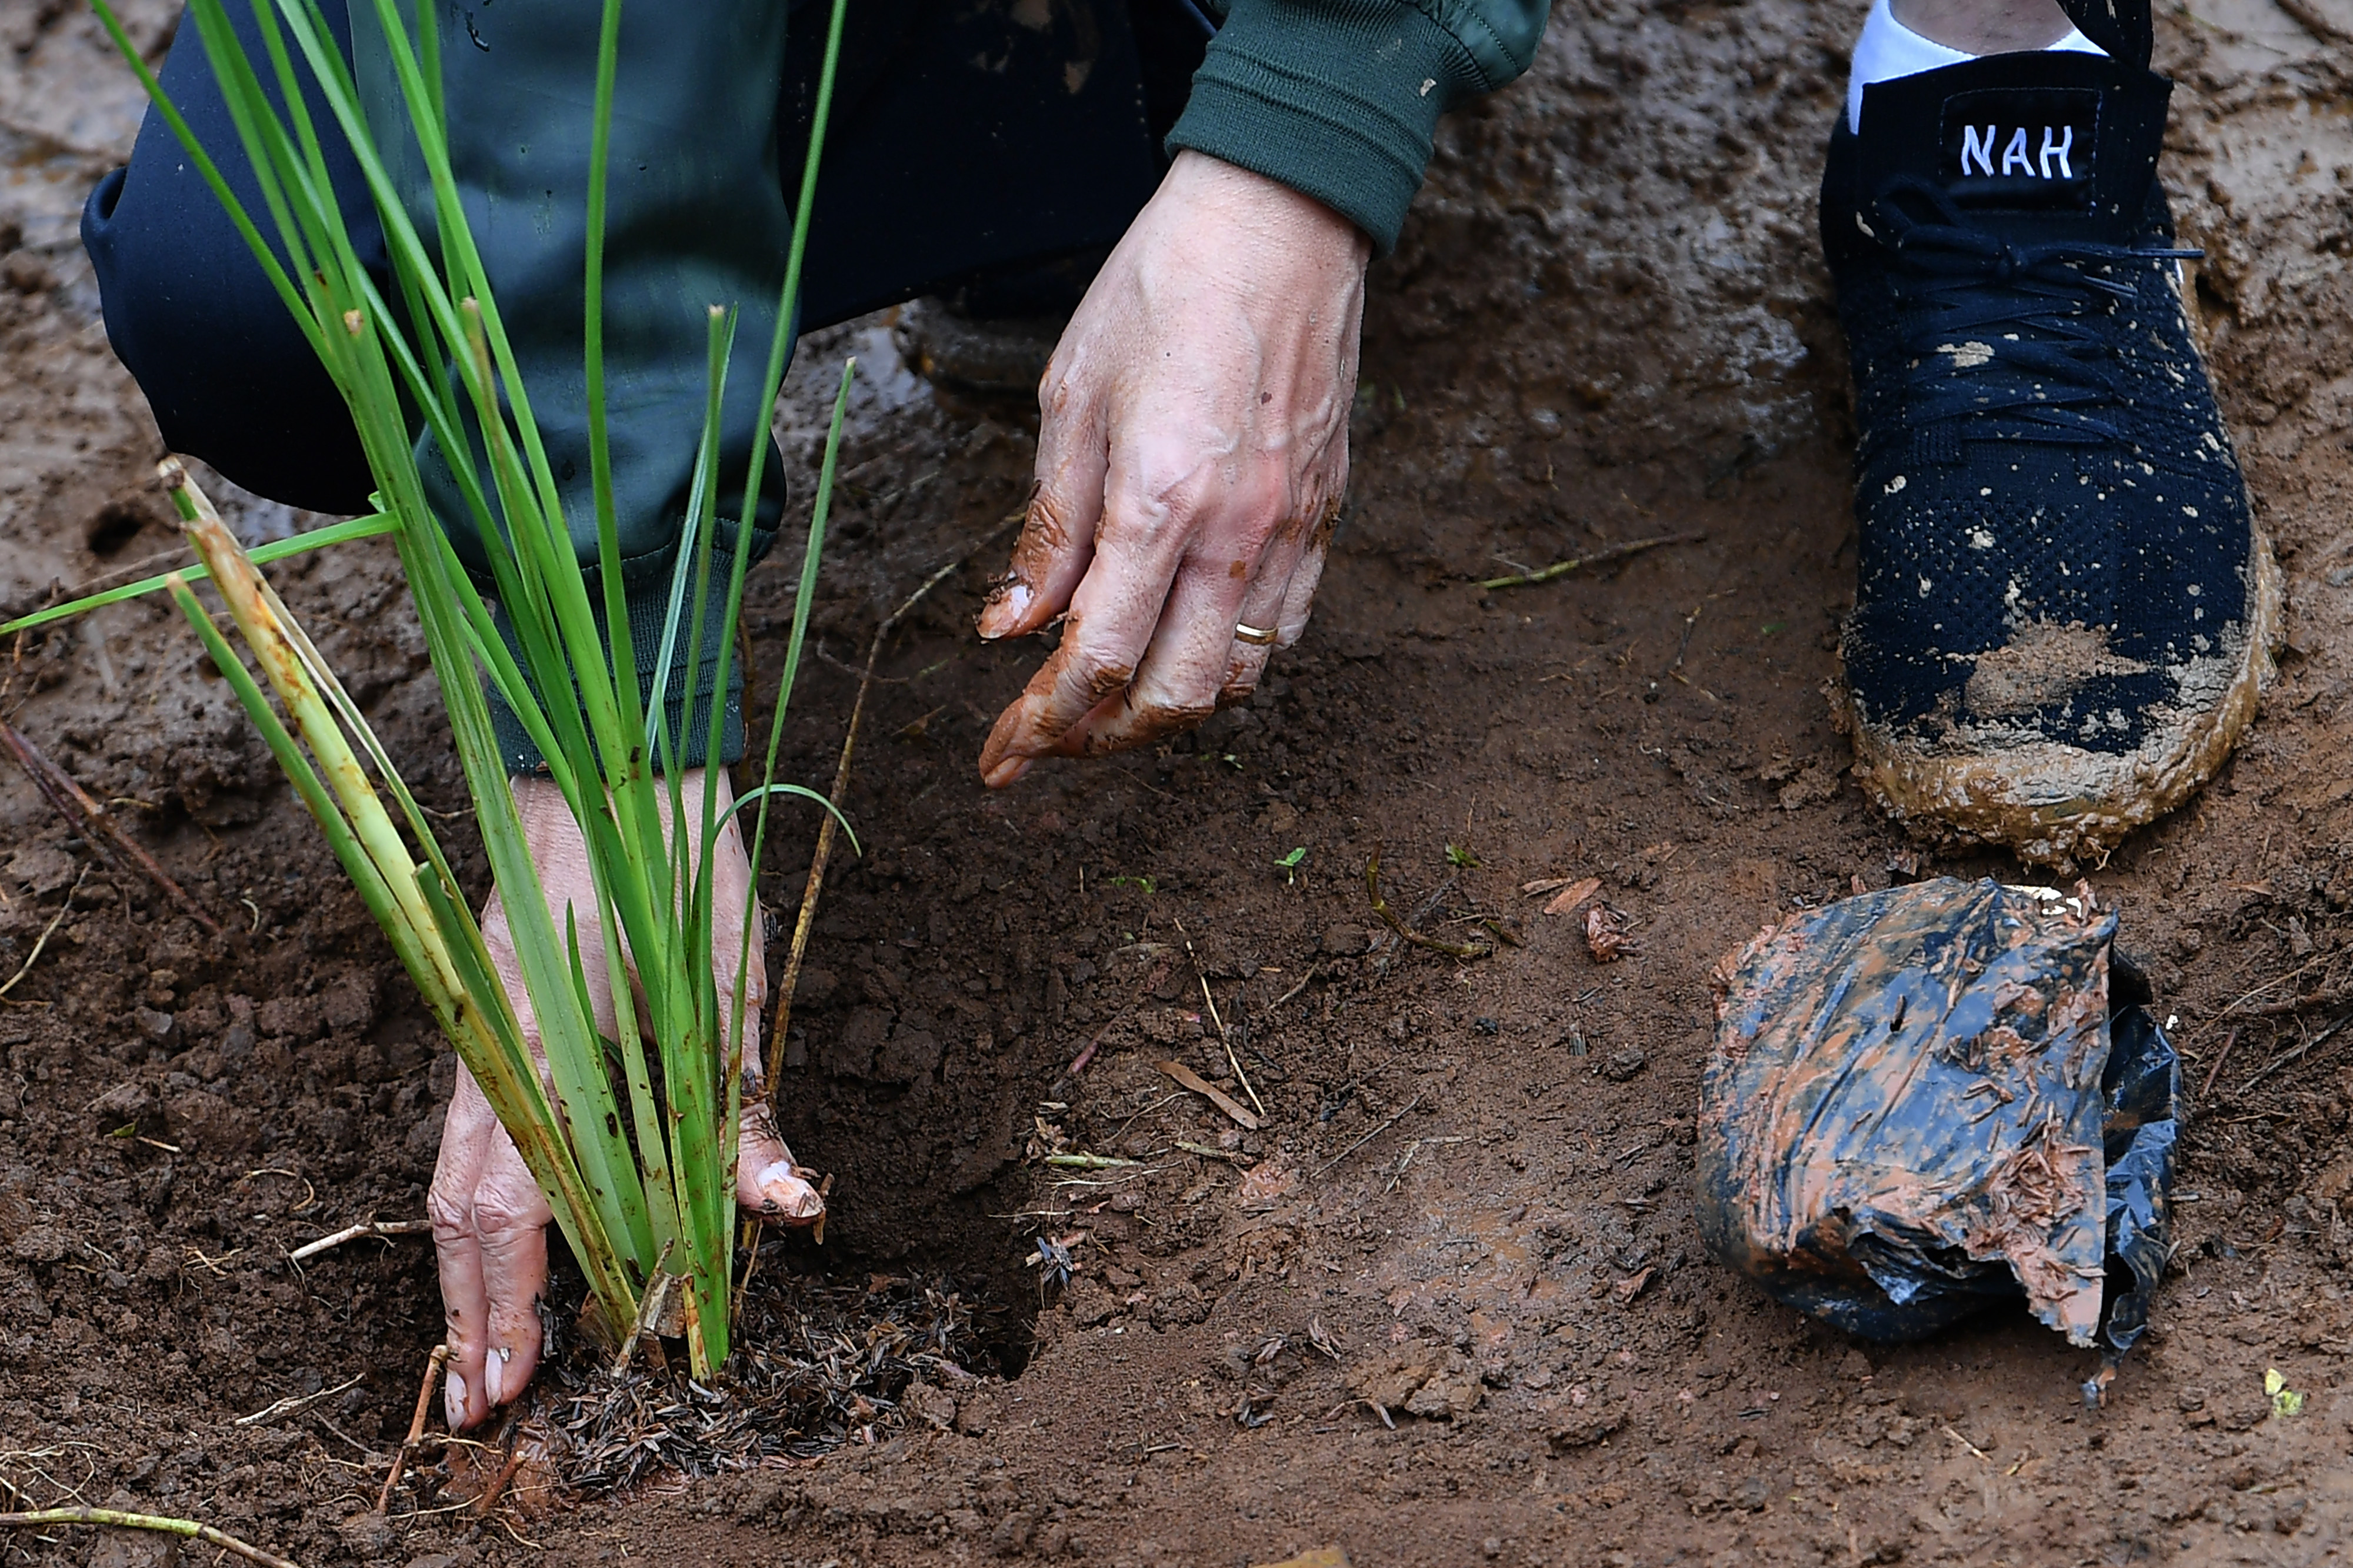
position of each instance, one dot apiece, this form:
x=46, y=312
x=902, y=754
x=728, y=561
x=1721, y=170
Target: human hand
x=1191, y=458
x=489, y=1218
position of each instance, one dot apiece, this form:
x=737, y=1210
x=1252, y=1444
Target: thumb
x=1057, y=530
x=769, y=1183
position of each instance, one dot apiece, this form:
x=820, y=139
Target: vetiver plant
x=633, y=1139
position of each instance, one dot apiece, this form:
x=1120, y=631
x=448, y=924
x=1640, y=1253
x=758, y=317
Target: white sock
x=1888, y=50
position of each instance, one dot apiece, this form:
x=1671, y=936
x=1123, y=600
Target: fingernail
x=1006, y=772
x=1007, y=609
x=494, y=1377
x=787, y=1193
x=453, y=1401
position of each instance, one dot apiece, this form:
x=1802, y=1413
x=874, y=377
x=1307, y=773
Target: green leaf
x=196, y=571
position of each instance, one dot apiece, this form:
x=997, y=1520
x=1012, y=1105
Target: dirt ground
x=1607, y=321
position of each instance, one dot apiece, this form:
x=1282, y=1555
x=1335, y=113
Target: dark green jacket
x=1336, y=98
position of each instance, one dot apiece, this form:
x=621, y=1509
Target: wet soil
x=1608, y=322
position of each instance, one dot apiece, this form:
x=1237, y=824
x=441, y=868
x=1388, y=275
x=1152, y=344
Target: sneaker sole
x=2054, y=803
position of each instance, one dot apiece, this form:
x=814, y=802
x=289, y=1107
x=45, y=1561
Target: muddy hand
x=489, y=1218
x=1191, y=456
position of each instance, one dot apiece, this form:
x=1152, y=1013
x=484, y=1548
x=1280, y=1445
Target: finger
x=1185, y=666
x=1057, y=534
x=510, y=1219
x=1113, y=616
x=1299, y=598
x=769, y=1182
x=465, y=1302
x=1262, y=611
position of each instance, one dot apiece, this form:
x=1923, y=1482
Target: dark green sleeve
x=1339, y=99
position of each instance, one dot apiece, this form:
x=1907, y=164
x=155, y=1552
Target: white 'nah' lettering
x=1978, y=151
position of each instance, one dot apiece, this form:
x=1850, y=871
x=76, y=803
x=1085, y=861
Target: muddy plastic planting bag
x=1925, y=1100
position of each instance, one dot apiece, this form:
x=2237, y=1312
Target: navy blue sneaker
x=2066, y=612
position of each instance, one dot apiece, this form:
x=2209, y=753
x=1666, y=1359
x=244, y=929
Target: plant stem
x=187, y=1529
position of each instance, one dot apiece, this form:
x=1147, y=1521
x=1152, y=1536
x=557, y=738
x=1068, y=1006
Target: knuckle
x=1151, y=718
x=1095, y=675
x=500, y=1213
x=450, y=1213
x=1046, y=519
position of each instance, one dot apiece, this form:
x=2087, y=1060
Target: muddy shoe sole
x=2056, y=805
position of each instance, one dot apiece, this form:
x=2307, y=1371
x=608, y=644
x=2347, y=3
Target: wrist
x=1276, y=212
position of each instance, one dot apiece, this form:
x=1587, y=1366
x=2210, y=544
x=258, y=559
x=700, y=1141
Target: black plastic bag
x=1932, y=1099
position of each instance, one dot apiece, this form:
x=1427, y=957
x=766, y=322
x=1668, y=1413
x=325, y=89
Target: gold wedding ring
x=1253, y=635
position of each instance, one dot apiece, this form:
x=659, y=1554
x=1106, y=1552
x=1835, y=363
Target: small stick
x=1090, y=1162
x=47, y=931
x=1465, y=950
x=2215, y=1071
x=1368, y=1137
x=499, y=1483
x=1224, y=1038
x=806, y=919
x=385, y=1227
x=433, y=1366
x=1598, y=558
x=1203, y=1149
x=186, y=1528
x=1313, y=969
x=291, y=1403
x=70, y=801
x=2285, y=1057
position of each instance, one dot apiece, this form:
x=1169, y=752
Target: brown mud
x=1447, y=1305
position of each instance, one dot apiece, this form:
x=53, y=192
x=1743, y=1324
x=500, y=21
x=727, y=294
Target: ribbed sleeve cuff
x=693, y=675
x=1336, y=98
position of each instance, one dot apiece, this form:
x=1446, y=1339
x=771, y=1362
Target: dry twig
x=295, y=1401
x=806, y=919
x=433, y=1366
x=1224, y=1038
x=379, y=1227
x=1598, y=558
x=1368, y=1137
x=42, y=941
x=87, y=817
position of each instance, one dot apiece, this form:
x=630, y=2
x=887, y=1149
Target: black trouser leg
x=967, y=144
x=194, y=318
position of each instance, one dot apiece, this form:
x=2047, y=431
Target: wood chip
x=1226, y=1102
x=1576, y=893
x=1545, y=885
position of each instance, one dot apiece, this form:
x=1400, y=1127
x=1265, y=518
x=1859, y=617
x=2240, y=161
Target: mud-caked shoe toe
x=2065, y=610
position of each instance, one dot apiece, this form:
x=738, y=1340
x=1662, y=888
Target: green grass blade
x=196, y=572
x=788, y=298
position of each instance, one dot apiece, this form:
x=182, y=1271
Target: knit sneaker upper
x=2055, y=547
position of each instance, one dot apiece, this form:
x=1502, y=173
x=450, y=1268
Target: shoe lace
x=1991, y=328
